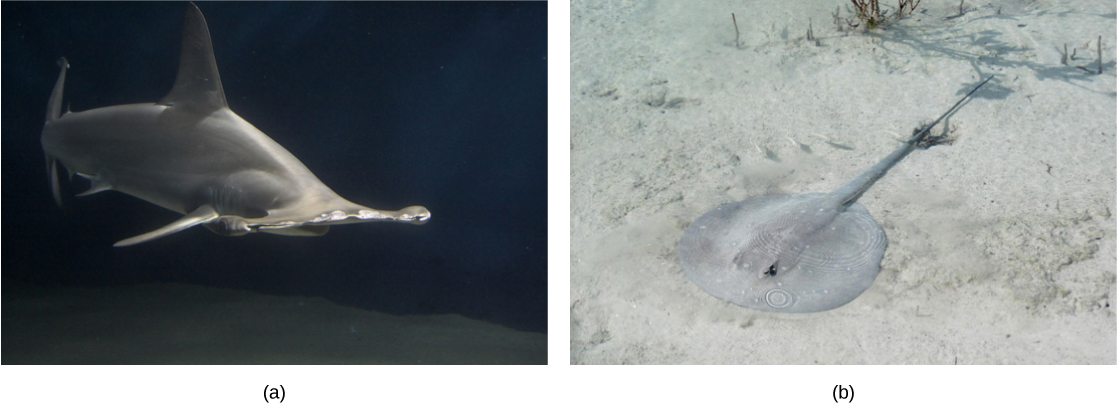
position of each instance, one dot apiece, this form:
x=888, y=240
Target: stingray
x=191, y=154
x=796, y=253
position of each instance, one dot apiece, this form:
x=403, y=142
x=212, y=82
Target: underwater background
x=389, y=104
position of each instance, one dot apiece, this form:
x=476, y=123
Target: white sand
x=186, y=324
x=1001, y=246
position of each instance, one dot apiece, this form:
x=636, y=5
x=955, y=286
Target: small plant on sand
x=869, y=14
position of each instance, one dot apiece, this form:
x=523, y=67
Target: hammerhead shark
x=191, y=154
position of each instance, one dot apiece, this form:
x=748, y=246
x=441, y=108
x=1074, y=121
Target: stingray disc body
x=821, y=257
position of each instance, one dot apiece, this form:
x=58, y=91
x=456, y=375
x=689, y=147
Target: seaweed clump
x=870, y=15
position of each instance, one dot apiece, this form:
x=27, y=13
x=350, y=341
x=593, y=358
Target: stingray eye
x=771, y=270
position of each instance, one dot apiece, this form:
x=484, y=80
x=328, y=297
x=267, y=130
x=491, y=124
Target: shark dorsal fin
x=198, y=85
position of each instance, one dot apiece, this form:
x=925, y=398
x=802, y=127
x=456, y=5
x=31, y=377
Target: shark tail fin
x=200, y=215
x=52, y=172
x=54, y=110
x=54, y=106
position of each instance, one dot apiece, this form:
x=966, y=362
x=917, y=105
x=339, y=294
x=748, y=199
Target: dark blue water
x=390, y=104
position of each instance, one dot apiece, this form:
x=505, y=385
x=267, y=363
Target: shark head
x=232, y=225
x=292, y=223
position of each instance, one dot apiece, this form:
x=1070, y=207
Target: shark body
x=191, y=154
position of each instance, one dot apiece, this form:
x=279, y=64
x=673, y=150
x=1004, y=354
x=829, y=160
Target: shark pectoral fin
x=304, y=230
x=201, y=215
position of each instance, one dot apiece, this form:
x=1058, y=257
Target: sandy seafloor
x=1001, y=246
x=188, y=324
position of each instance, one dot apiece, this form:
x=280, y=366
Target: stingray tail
x=850, y=192
x=918, y=137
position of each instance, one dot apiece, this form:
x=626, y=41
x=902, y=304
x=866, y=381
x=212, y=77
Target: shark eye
x=771, y=270
x=413, y=215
